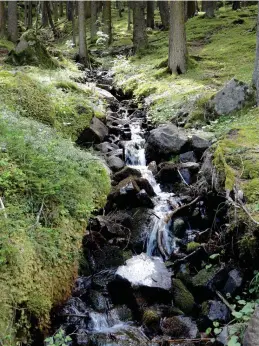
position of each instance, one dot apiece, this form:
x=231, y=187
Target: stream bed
x=143, y=279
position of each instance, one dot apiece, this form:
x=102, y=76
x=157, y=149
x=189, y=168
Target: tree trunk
x=83, y=53
x=51, y=23
x=164, y=13
x=209, y=7
x=30, y=15
x=129, y=16
x=87, y=9
x=55, y=10
x=191, y=9
x=61, y=9
x=2, y=19
x=12, y=26
x=236, y=5
x=44, y=14
x=150, y=14
x=26, y=14
x=139, y=26
x=93, y=20
x=107, y=21
x=177, y=61
x=119, y=6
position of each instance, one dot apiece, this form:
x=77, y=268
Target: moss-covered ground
x=49, y=188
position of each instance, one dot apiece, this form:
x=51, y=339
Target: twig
x=3, y=207
x=180, y=260
x=183, y=341
x=169, y=217
x=183, y=180
x=225, y=301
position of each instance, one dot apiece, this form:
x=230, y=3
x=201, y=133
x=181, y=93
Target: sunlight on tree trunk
x=83, y=53
x=150, y=14
x=177, y=61
x=139, y=26
x=107, y=20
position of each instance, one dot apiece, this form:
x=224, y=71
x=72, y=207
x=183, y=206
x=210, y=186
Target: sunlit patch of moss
x=6, y=44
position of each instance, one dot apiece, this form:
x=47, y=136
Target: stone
x=179, y=326
x=97, y=301
x=183, y=299
x=164, y=141
x=251, y=337
x=215, y=310
x=188, y=156
x=151, y=320
x=115, y=163
x=125, y=173
x=199, y=144
x=168, y=173
x=106, y=147
x=153, y=167
x=234, y=282
x=106, y=95
x=94, y=134
x=178, y=227
x=232, y=97
x=144, y=271
x=116, y=153
x=207, y=281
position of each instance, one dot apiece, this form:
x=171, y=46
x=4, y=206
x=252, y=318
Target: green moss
x=192, y=246
x=6, y=44
x=150, y=318
x=49, y=189
x=223, y=168
x=183, y=299
x=203, y=277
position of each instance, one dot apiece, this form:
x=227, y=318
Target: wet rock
x=183, y=299
x=145, y=271
x=151, y=320
x=215, y=310
x=165, y=141
x=199, y=143
x=125, y=173
x=81, y=287
x=126, y=193
x=101, y=279
x=179, y=326
x=234, y=95
x=251, y=337
x=168, y=173
x=153, y=167
x=206, y=281
x=97, y=301
x=121, y=335
x=106, y=95
x=75, y=314
x=115, y=163
x=234, y=282
x=106, y=147
x=178, y=227
x=189, y=156
x=144, y=199
x=96, y=133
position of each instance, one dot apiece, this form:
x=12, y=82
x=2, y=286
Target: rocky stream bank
x=155, y=271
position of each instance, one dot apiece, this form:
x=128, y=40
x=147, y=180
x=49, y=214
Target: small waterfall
x=103, y=322
x=164, y=202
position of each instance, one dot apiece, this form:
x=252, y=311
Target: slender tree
x=94, y=17
x=29, y=24
x=164, y=13
x=191, y=8
x=107, y=20
x=83, y=53
x=139, y=26
x=255, y=78
x=2, y=19
x=236, y=5
x=87, y=9
x=177, y=60
x=209, y=8
x=44, y=14
x=51, y=23
x=129, y=16
x=55, y=10
x=12, y=26
x=150, y=14
x=71, y=18
x=61, y=9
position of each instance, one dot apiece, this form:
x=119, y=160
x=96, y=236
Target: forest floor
x=44, y=173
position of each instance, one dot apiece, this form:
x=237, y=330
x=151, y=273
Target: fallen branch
x=181, y=176
x=187, y=257
x=224, y=300
x=184, y=341
x=174, y=212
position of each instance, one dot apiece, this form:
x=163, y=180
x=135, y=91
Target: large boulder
x=183, y=299
x=115, y=163
x=31, y=51
x=215, y=310
x=164, y=141
x=144, y=271
x=232, y=97
x=93, y=134
x=125, y=173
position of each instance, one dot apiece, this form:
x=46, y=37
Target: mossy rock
x=183, y=298
x=31, y=51
x=151, y=318
x=192, y=246
x=174, y=327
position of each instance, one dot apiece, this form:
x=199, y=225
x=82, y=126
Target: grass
x=215, y=51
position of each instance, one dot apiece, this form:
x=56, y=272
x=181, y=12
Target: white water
x=164, y=201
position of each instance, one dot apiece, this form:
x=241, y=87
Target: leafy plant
x=58, y=339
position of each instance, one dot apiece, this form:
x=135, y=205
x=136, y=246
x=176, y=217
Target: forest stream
x=147, y=237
